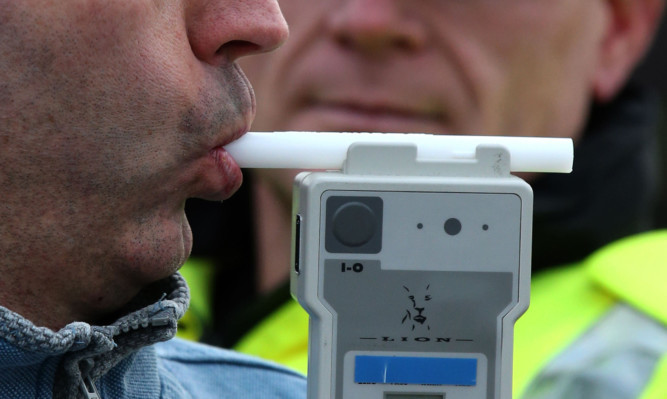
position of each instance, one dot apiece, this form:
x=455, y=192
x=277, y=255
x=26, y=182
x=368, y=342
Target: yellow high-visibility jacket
x=595, y=329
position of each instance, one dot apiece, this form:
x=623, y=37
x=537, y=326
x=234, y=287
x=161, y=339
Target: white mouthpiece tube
x=328, y=150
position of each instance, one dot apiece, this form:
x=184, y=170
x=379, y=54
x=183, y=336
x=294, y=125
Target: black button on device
x=353, y=224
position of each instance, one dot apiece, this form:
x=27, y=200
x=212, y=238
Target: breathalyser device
x=413, y=261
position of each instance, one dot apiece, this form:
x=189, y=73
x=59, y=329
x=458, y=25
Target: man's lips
x=223, y=115
x=218, y=176
x=222, y=177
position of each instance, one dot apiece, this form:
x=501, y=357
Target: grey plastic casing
x=413, y=274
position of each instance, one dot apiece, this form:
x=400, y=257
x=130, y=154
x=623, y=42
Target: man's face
x=112, y=114
x=485, y=67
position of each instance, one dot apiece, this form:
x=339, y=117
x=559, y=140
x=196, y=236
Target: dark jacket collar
x=610, y=193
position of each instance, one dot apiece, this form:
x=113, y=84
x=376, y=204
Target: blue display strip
x=415, y=370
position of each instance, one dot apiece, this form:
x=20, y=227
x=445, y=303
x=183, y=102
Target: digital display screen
x=415, y=370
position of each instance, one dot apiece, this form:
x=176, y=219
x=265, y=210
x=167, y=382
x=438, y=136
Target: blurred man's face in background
x=475, y=67
x=509, y=67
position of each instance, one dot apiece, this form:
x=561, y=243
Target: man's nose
x=225, y=30
x=376, y=26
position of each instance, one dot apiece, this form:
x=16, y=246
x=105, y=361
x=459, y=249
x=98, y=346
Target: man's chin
x=186, y=233
x=158, y=251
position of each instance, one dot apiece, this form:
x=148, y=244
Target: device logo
x=414, y=315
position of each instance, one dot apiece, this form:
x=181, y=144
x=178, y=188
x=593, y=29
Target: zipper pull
x=89, y=389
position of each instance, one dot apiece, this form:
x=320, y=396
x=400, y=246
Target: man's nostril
x=234, y=49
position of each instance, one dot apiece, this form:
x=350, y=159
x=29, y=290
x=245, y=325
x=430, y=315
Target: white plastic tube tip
x=328, y=150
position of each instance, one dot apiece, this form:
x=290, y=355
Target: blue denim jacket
x=134, y=357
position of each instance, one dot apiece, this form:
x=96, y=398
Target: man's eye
x=427, y=298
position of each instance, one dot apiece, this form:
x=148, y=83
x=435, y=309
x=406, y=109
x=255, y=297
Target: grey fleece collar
x=89, y=352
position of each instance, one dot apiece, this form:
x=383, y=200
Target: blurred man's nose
x=225, y=30
x=376, y=27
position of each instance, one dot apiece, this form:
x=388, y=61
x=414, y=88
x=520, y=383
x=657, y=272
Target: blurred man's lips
x=369, y=117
